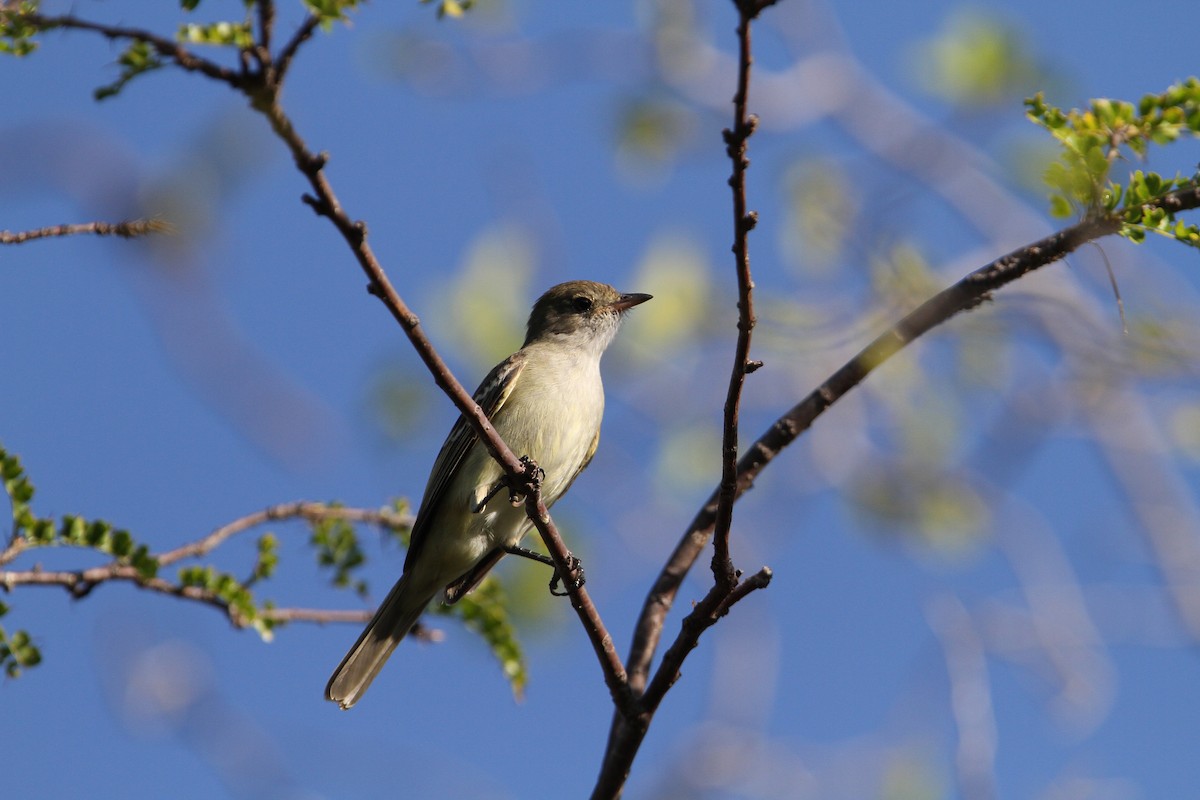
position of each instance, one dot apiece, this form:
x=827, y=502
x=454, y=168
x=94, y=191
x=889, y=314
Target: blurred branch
x=970, y=696
x=126, y=230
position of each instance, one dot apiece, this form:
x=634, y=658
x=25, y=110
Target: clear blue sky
x=171, y=388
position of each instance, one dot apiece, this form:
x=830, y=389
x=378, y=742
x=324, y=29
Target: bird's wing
x=490, y=397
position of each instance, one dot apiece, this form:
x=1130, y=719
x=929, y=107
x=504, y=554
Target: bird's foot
x=531, y=479
x=575, y=578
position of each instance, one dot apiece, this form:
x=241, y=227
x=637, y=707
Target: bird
x=546, y=402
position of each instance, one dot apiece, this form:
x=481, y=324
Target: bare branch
x=284, y=60
x=126, y=230
x=743, y=222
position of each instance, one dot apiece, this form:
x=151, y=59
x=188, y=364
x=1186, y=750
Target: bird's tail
x=397, y=614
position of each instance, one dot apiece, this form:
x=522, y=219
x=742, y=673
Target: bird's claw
x=532, y=476
x=575, y=578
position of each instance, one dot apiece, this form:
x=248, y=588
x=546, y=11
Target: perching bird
x=546, y=401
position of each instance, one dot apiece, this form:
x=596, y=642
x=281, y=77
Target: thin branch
x=743, y=222
x=313, y=512
x=163, y=46
x=80, y=583
x=284, y=60
x=266, y=24
x=626, y=733
x=126, y=230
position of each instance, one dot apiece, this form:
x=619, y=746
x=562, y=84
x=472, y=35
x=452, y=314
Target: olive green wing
x=490, y=397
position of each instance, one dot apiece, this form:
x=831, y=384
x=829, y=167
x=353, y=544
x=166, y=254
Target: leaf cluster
x=16, y=31
x=17, y=651
x=30, y=530
x=1096, y=138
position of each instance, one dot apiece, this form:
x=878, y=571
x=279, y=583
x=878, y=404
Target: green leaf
x=328, y=12
x=16, y=31
x=137, y=59
x=337, y=547
x=1060, y=207
x=17, y=652
x=268, y=557
x=144, y=563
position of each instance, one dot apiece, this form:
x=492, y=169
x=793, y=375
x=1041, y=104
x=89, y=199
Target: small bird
x=546, y=401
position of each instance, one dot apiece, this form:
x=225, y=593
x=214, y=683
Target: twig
x=284, y=60
x=314, y=512
x=80, y=583
x=743, y=222
x=266, y=24
x=126, y=230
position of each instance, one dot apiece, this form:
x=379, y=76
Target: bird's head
x=580, y=313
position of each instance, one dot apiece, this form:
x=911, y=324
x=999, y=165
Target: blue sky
x=170, y=388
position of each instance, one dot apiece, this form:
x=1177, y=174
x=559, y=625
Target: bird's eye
x=582, y=303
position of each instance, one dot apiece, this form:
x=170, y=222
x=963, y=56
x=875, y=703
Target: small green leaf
x=268, y=557
x=1060, y=207
x=137, y=59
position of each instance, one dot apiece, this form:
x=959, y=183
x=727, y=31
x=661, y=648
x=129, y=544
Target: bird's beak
x=628, y=301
